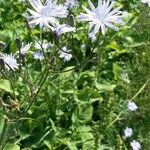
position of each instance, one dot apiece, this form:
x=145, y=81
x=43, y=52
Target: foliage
x=80, y=104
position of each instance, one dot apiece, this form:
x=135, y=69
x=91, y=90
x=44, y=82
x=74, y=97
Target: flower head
x=10, y=61
x=128, y=132
x=38, y=55
x=132, y=106
x=46, y=15
x=64, y=53
x=135, y=145
x=102, y=16
x=24, y=48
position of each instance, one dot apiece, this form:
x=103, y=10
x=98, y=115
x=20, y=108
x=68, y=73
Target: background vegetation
x=82, y=103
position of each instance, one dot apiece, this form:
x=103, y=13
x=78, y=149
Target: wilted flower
x=135, y=145
x=102, y=16
x=64, y=53
x=38, y=55
x=10, y=61
x=92, y=36
x=46, y=15
x=146, y=1
x=128, y=132
x=44, y=45
x=25, y=48
x=132, y=106
x=70, y=4
x=63, y=28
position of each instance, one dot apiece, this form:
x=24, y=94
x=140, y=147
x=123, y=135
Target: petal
x=91, y=5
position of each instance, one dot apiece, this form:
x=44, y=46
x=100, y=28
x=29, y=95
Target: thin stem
x=116, y=119
x=36, y=94
x=3, y=134
x=30, y=31
x=141, y=89
x=86, y=60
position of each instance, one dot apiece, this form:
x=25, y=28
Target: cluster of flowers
x=128, y=132
x=47, y=16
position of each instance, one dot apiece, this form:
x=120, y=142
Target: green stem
x=3, y=134
x=36, y=94
x=141, y=89
x=116, y=119
x=87, y=59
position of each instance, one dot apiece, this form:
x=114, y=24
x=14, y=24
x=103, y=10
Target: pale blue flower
x=46, y=15
x=102, y=16
x=132, y=106
x=135, y=145
x=10, y=61
x=65, y=54
x=24, y=48
x=38, y=55
x=128, y=132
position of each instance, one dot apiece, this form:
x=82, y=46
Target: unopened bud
x=55, y=38
x=18, y=43
x=2, y=45
x=2, y=64
x=71, y=20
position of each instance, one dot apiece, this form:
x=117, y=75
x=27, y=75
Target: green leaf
x=84, y=133
x=113, y=45
x=105, y=87
x=117, y=71
x=5, y=85
x=89, y=94
x=82, y=113
x=11, y=147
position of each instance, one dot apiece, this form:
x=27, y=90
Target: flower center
x=45, y=12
